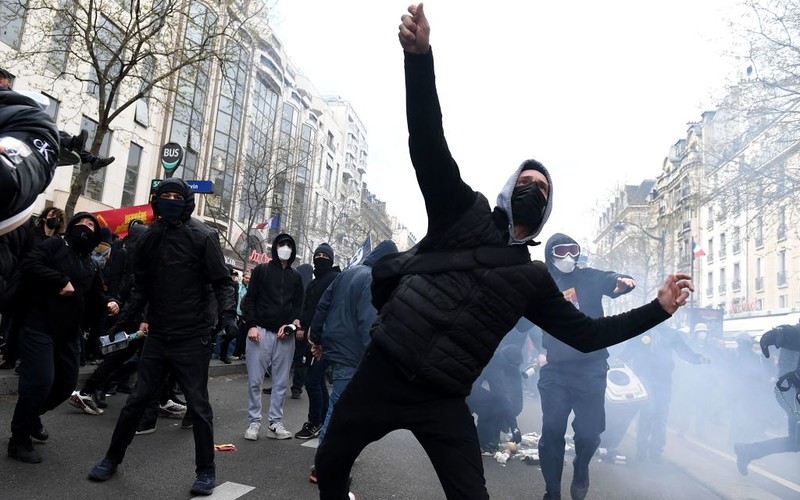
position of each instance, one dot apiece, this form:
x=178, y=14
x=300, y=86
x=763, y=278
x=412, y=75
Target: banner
x=362, y=252
x=117, y=220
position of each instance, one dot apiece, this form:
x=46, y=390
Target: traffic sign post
x=201, y=187
x=171, y=156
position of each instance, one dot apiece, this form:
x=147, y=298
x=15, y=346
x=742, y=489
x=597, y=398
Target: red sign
x=118, y=219
x=261, y=258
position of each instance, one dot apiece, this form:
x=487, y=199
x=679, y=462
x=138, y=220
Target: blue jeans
x=318, y=398
x=341, y=377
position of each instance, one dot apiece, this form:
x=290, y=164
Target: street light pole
x=620, y=226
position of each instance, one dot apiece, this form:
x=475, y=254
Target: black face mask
x=53, y=223
x=322, y=265
x=527, y=206
x=170, y=211
x=81, y=238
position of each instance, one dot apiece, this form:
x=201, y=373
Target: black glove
x=768, y=339
x=228, y=325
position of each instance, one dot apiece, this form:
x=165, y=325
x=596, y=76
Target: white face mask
x=284, y=252
x=565, y=265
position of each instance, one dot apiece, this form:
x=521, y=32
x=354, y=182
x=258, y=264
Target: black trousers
x=112, y=362
x=189, y=358
x=48, y=374
x=378, y=400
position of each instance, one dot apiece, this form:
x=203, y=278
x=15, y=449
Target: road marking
x=754, y=468
x=228, y=491
x=311, y=443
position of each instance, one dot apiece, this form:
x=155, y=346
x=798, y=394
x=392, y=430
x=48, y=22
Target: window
x=108, y=40
x=710, y=218
x=782, y=223
x=60, y=39
x=737, y=240
x=722, y=281
x=94, y=184
x=142, y=113
x=723, y=246
x=710, y=287
x=52, y=108
x=12, y=17
x=759, y=232
x=781, y=268
x=759, y=274
x=131, y=175
x=328, y=173
x=710, y=253
x=737, y=277
x=331, y=144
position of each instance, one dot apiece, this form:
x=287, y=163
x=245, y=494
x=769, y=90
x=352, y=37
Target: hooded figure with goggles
x=178, y=265
x=60, y=280
x=573, y=380
x=436, y=330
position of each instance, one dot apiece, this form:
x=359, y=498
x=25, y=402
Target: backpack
x=388, y=270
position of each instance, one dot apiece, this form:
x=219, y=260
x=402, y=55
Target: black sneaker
x=99, y=398
x=579, y=489
x=308, y=431
x=204, y=484
x=79, y=141
x=145, y=428
x=225, y=360
x=40, y=433
x=296, y=394
x=22, y=450
x=100, y=162
x=103, y=470
x=187, y=422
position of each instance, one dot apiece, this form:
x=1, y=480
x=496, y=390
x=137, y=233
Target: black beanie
x=326, y=249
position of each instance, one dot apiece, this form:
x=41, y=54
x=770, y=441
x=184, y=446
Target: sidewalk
x=9, y=380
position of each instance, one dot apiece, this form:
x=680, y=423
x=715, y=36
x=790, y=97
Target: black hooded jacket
x=275, y=294
x=442, y=329
x=47, y=269
x=584, y=288
x=26, y=174
x=178, y=272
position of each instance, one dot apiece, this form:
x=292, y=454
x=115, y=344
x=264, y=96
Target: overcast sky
x=597, y=91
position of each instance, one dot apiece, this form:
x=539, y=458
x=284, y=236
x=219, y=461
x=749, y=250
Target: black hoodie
x=275, y=294
x=585, y=288
x=46, y=270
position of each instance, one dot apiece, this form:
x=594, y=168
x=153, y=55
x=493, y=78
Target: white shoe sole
x=251, y=437
x=273, y=435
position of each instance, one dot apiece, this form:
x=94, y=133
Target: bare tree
x=266, y=177
x=122, y=52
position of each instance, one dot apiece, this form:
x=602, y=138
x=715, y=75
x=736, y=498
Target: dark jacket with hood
x=345, y=313
x=584, y=287
x=27, y=167
x=441, y=330
x=275, y=294
x=25, y=172
x=179, y=270
x=47, y=269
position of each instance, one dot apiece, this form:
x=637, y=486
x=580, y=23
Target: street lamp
x=620, y=226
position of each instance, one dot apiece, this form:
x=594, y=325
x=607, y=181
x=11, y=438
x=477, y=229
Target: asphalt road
x=161, y=465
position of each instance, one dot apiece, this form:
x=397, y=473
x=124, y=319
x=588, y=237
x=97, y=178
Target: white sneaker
x=278, y=431
x=252, y=432
x=84, y=402
x=171, y=409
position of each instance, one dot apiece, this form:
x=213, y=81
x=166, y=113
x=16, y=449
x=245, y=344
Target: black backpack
x=388, y=270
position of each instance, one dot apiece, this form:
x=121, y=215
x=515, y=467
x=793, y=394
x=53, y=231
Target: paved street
x=160, y=465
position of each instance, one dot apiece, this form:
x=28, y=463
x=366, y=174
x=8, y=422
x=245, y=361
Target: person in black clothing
x=71, y=146
x=787, y=339
x=177, y=265
x=232, y=333
x=651, y=358
x=314, y=374
x=301, y=347
x=47, y=225
x=436, y=332
x=573, y=381
x=60, y=282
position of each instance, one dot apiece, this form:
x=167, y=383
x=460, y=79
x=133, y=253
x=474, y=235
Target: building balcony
x=722, y=252
x=737, y=247
x=759, y=283
x=737, y=285
x=721, y=289
x=687, y=225
x=710, y=291
x=759, y=242
x=710, y=258
x=782, y=278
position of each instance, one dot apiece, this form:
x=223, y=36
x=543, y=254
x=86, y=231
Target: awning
x=756, y=325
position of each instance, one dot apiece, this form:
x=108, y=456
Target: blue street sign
x=201, y=187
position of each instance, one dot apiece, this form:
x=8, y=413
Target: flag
x=697, y=249
x=362, y=252
x=272, y=223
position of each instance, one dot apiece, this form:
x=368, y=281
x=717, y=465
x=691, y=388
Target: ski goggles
x=566, y=249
